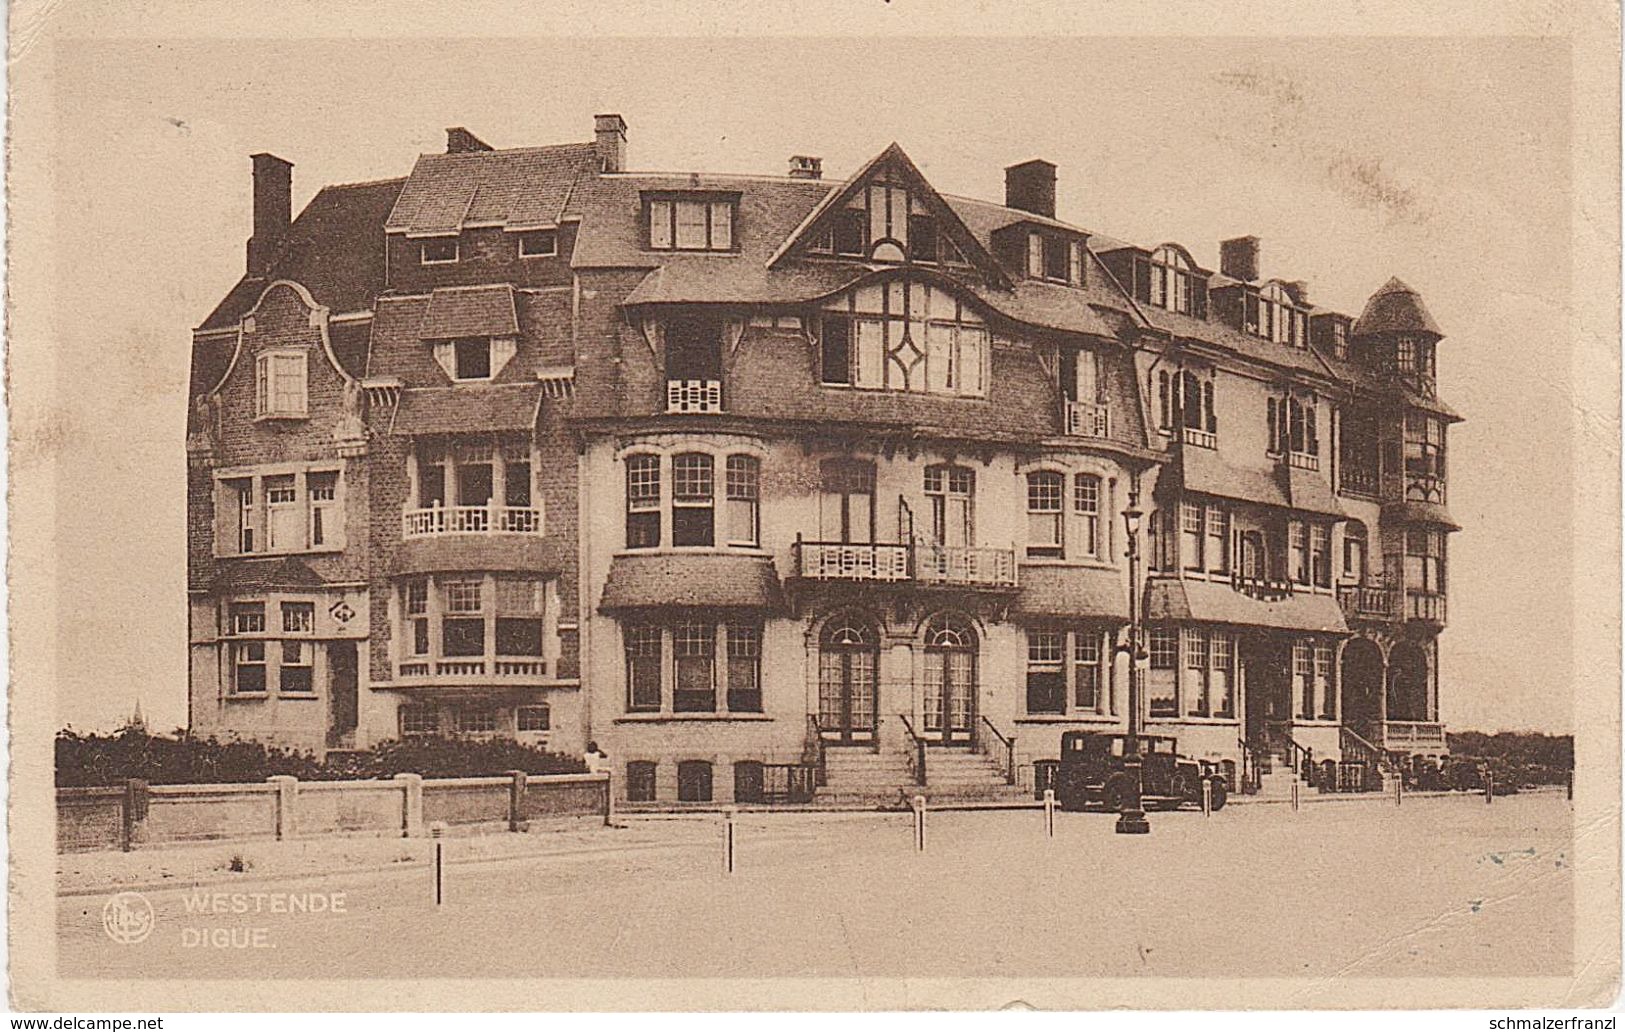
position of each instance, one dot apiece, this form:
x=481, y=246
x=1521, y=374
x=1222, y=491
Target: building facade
x=767, y=482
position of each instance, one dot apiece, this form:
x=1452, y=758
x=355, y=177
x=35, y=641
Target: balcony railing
x=1362, y=480
x=1200, y=438
x=1412, y=735
x=1265, y=589
x=474, y=667
x=1085, y=419
x=1303, y=460
x=1361, y=602
x=1424, y=487
x=471, y=519
x=892, y=563
x=985, y=567
x=1427, y=606
x=690, y=396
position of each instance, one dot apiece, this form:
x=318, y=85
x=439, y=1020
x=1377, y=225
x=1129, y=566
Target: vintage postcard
x=819, y=507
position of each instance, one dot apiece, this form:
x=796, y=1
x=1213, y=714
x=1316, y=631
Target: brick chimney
x=461, y=141
x=273, y=209
x=610, y=133
x=805, y=167
x=1238, y=258
x=1030, y=186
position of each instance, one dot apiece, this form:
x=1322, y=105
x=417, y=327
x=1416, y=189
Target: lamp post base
x=1133, y=822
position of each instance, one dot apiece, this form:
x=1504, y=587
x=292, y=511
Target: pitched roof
x=1203, y=602
x=519, y=188
x=485, y=311
x=266, y=574
x=1396, y=308
x=335, y=249
x=680, y=581
x=1071, y=592
x=1203, y=471
x=466, y=408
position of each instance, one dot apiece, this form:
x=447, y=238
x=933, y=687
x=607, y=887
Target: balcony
x=684, y=397
x=1085, y=419
x=471, y=519
x=1359, y=480
x=1199, y=438
x=1302, y=460
x=1426, y=606
x=1360, y=602
x=931, y=565
x=1264, y=589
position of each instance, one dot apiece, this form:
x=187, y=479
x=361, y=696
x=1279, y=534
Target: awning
x=1071, y=592
x=1307, y=491
x=1419, y=512
x=467, y=408
x=713, y=581
x=470, y=312
x=1204, y=602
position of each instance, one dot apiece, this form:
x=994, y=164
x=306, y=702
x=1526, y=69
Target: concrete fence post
x=132, y=812
x=609, y=799
x=411, y=804
x=287, y=799
x=516, y=798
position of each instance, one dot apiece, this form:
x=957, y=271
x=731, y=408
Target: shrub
x=180, y=759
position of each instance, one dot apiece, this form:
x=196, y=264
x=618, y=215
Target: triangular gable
x=893, y=161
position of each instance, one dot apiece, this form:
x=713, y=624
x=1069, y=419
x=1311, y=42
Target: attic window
x=1269, y=313
x=1055, y=258
x=539, y=243
x=439, y=251
x=692, y=223
x=922, y=233
x=473, y=358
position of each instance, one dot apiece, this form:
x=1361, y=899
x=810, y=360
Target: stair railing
x=1252, y=771
x=813, y=751
x=1300, y=757
x=917, y=758
x=1354, y=744
x=1009, y=745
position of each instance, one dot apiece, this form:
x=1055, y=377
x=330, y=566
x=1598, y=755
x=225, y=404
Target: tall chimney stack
x=1238, y=258
x=461, y=141
x=1030, y=186
x=273, y=209
x=610, y=133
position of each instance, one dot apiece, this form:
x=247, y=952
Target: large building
x=762, y=480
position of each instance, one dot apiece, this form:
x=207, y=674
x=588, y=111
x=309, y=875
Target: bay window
x=1424, y=559
x=693, y=519
x=1303, y=677
x=1323, y=681
x=744, y=500
x=1209, y=673
x=1066, y=671
x=280, y=385
x=1298, y=551
x=690, y=665
x=278, y=512
x=1191, y=535
x=643, y=501
x=1217, y=547
x=475, y=620
x=1320, y=554
x=1046, y=672
x=262, y=656
x=1088, y=659
x=1086, y=503
x=1162, y=681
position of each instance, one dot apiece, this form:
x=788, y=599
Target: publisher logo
x=127, y=917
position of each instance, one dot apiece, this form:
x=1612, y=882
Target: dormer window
x=1054, y=257
x=439, y=251
x=1269, y=312
x=539, y=243
x=691, y=223
x=1340, y=338
x=473, y=358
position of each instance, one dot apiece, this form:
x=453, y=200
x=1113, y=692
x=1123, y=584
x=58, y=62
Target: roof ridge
x=364, y=182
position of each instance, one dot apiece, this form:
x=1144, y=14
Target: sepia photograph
x=893, y=510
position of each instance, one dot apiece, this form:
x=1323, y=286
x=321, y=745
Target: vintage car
x=1093, y=771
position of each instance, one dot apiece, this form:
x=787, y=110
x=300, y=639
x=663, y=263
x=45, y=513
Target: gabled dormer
x=887, y=214
x=1166, y=277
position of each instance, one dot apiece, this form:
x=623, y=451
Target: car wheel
x=1115, y=794
x=1220, y=793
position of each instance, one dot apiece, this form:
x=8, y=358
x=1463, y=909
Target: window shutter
x=1272, y=438
x=262, y=384
x=303, y=362
x=1035, y=255
x=1207, y=403
x=1075, y=271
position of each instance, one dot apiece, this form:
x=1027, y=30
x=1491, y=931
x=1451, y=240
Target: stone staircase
x=862, y=777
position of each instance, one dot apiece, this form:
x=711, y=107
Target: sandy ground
x=1435, y=887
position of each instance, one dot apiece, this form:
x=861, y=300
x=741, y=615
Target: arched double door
x=848, y=672
x=948, y=696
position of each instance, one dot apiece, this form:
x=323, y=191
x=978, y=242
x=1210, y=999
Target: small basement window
x=440, y=251
x=539, y=243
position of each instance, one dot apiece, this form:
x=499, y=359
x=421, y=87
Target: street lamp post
x=1131, y=820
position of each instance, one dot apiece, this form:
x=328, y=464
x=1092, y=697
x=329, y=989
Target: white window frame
x=456, y=251
x=551, y=235
x=271, y=399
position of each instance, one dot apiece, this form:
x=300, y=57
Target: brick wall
x=489, y=255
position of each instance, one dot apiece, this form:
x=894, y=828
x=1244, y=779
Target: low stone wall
x=136, y=814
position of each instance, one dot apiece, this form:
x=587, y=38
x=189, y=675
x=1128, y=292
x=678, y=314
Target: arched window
x=1173, y=283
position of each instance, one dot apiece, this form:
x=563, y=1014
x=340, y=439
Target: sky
x=1443, y=162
